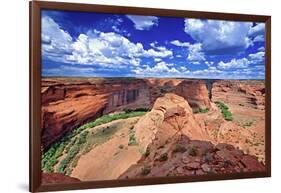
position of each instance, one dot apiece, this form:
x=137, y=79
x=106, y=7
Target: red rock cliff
x=175, y=145
x=195, y=92
x=66, y=106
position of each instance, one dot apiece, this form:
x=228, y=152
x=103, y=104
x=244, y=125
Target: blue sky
x=111, y=45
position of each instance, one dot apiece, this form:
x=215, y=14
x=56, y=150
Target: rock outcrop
x=70, y=102
x=195, y=92
x=55, y=178
x=251, y=93
x=67, y=104
x=185, y=157
x=245, y=100
x=175, y=144
x=171, y=115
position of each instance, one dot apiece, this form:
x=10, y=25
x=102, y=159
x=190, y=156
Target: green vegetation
x=247, y=124
x=225, y=111
x=201, y=110
x=132, y=139
x=192, y=151
x=144, y=152
x=137, y=110
x=163, y=157
x=108, y=118
x=145, y=170
x=70, y=144
x=82, y=138
x=179, y=149
x=64, y=163
x=102, y=135
x=74, y=150
x=49, y=159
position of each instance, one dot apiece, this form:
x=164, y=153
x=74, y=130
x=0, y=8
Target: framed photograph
x=124, y=96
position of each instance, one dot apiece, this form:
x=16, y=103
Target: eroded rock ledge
x=174, y=144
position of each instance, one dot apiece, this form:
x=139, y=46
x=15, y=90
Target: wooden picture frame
x=35, y=95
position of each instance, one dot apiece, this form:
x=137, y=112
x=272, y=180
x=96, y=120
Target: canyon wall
x=175, y=144
x=250, y=93
x=195, y=92
x=68, y=104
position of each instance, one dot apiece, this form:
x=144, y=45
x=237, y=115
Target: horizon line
x=151, y=77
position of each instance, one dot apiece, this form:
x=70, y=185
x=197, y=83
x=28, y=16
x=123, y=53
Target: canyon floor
x=109, y=128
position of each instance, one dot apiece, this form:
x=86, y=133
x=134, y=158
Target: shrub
x=128, y=110
x=179, y=149
x=202, y=110
x=248, y=124
x=145, y=170
x=142, y=109
x=163, y=157
x=225, y=111
x=82, y=138
x=192, y=151
x=70, y=145
x=132, y=139
x=65, y=162
x=121, y=146
x=137, y=110
x=49, y=158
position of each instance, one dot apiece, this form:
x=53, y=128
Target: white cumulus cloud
x=180, y=44
x=219, y=37
x=94, y=48
x=160, y=69
x=258, y=29
x=55, y=41
x=143, y=22
x=234, y=63
x=195, y=53
x=254, y=59
x=259, y=56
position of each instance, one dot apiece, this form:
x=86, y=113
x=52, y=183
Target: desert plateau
x=125, y=128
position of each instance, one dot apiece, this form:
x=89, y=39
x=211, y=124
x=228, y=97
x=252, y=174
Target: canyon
x=69, y=103
x=183, y=130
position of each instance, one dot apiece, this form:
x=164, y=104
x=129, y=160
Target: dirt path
x=110, y=159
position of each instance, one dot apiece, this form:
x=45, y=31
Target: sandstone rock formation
x=185, y=157
x=195, y=92
x=246, y=100
x=175, y=144
x=70, y=102
x=53, y=178
x=173, y=138
x=171, y=115
x=67, y=104
x=251, y=93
